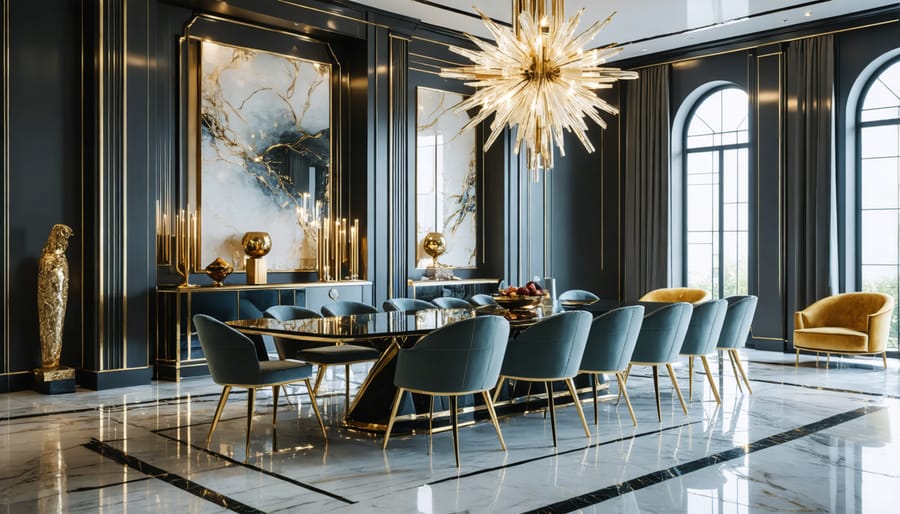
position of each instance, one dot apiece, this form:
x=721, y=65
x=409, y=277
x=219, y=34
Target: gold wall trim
x=124, y=163
x=101, y=165
x=779, y=339
x=5, y=208
x=767, y=43
x=430, y=58
x=331, y=13
x=420, y=70
x=780, y=104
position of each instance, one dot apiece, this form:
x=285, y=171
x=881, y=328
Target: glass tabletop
x=360, y=326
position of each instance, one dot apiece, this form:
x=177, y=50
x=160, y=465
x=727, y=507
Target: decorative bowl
x=217, y=270
x=577, y=302
x=518, y=302
x=257, y=244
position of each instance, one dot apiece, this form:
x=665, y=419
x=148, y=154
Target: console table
x=462, y=288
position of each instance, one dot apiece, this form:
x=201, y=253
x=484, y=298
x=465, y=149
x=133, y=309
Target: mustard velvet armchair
x=677, y=294
x=845, y=324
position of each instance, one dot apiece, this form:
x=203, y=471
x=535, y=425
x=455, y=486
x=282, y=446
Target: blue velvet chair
x=457, y=359
x=406, y=305
x=347, y=308
x=577, y=294
x=481, y=299
x=701, y=339
x=735, y=331
x=609, y=347
x=320, y=354
x=449, y=302
x=547, y=351
x=659, y=342
x=231, y=357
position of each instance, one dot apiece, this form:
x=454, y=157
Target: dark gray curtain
x=645, y=248
x=810, y=172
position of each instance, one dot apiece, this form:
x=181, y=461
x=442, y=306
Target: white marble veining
x=809, y=439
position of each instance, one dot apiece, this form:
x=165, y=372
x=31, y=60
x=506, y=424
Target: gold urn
x=257, y=244
x=217, y=270
x=434, y=245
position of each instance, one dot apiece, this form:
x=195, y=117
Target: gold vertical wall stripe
x=124, y=186
x=6, y=289
x=781, y=234
x=390, y=170
x=81, y=184
x=101, y=164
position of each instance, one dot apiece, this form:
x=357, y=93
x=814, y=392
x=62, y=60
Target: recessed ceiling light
x=807, y=14
x=643, y=49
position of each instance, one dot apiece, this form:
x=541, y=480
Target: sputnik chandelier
x=538, y=78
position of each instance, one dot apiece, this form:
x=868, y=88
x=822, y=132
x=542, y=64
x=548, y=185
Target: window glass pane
x=885, y=90
x=879, y=183
x=880, y=141
x=879, y=236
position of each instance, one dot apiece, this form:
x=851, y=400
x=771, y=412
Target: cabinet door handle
x=333, y=293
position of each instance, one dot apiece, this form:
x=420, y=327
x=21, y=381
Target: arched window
x=878, y=168
x=716, y=199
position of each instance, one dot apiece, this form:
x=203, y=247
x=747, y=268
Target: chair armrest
x=799, y=320
x=879, y=328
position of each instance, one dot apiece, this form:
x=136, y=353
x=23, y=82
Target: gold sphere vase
x=256, y=246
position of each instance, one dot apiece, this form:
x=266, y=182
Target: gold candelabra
x=338, y=248
x=185, y=245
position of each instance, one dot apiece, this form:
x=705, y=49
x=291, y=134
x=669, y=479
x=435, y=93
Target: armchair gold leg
x=797, y=361
x=691, y=377
x=455, y=417
x=346, y=386
x=549, y=386
x=387, y=433
x=624, y=392
x=571, y=385
x=315, y=407
x=490, y=407
x=497, y=389
x=430, y=414
x=219, y=408
x=675, y=385
x=827, y=360
x=594, y=391
x=656, y=390
x=737, y=376
x=287, y=396
x=709, y=377
x=251, y=400
x=737, y=360
x=319, y=376
x=884, y=359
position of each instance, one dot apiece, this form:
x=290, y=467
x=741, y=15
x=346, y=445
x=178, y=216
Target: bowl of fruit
x=524, y=297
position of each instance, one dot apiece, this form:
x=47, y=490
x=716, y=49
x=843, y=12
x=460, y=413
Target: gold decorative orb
x=256, y=244
x=434, y=244
x=217, y=270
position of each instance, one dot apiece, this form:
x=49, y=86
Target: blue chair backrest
x=578, y=294
x=481, y=299
x=461, y=357
x=289, y=312
x=406, y=305
x=230, y=355
x=662, y=333
x=347, y=308
x=737, y=321
x=450, y=302
x=612, y=338
x=551, y=348
x=705, y=327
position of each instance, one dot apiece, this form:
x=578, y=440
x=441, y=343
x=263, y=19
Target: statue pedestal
x=256, y=270
x=57, y=381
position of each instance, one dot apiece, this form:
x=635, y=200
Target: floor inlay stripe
x=829, y=389
x=256, y=468
x=556, y=454
x=656, y=477
x=104, y=486
x=180, y=482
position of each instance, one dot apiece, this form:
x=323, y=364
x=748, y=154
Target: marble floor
x=813, y=438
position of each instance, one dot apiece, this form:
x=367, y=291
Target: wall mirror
x=446, y=179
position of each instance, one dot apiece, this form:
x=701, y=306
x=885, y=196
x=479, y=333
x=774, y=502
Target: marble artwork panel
x=446, y=179
x=265, y=154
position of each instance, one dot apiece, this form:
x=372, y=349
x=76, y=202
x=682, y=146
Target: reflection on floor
x=809, y=439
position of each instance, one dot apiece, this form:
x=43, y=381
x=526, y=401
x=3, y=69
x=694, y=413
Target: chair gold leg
x=319, y=376
x=737, y=360
x=275, y=390
x=219, y=408
x=346, y=386
x=627, y=372
x=430, y=414
x=624, y=392
x=549, y=386
x=594, y=391
x=827, y=359
x=287, y=397
x=675, y=385
x=455, y=417
x=571, y=385
x=797, y=361
x=737, y=376
x=497, y=389
x=884, y=359
x=709, y=377
x=251, y=400
x=656, y=390
x=315, y=407
x=490, y=408
x=387, y=433
x=691, y=377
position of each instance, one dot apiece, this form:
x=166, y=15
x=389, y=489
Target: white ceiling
x=645, y=26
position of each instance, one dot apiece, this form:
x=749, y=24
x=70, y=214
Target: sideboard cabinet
x=178, y=352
